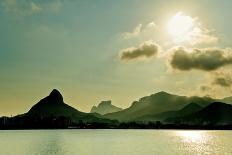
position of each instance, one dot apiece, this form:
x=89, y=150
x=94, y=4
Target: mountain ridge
x=53, y=106
x=156, y=103
x=188, y=109
x=169, y=110
x=214, y=113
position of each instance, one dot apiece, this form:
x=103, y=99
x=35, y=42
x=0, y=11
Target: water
x=113, y=142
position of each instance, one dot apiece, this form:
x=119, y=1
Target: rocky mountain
x=54, y=106
x=105, y=107
x=169, y=109
x=155, y=104
x=188, y=109
x=216, y=113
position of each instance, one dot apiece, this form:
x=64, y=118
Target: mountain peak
x=218, y=105
x=56, y=96
x=54, y=91
x=53, y=105
x=105, y=107
x=163, y=93
x=192, y=104
x=105, y=103
x=190, y=108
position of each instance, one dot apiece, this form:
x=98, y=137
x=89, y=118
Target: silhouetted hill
x=155, y=104
x=54, y=106
x=105, y=107
x=189, y=109
x=160, y=110
x=216, y=113
x=52, y=112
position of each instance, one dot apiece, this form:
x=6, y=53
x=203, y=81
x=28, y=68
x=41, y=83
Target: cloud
x=207, y=59
x=205, y=88
x=134, y=33
x=202, y=36
x=222, y=78
x=223, y=81
x=190, y=30
x=210, y=90
x=140, y=30
x=216, y=84
x=194, y=34
x=21, y=8
x=145, y=50
x=35, y=7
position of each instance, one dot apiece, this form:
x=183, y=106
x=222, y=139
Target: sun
x=181, y=26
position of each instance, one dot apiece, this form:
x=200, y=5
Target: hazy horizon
x=112, y=50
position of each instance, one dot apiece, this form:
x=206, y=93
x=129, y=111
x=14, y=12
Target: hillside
x=155, y=104
x=216, y=113
x=188, y=109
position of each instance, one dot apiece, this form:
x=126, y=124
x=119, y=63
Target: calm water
x=110, y=142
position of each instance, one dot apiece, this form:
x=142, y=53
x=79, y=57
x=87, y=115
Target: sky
x=112, y=50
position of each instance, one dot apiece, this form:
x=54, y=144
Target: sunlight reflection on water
x=200, y=142
x=193, y=136
x=115, y=142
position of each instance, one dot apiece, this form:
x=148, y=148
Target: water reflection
x=194, y=142
x=115, y=142
x=193, y=136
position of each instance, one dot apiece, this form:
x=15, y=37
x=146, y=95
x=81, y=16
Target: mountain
x=189, y=109
x=156, y=103
x=105, y=107
x=172, y=111
x=54, y=106
x=216, y=113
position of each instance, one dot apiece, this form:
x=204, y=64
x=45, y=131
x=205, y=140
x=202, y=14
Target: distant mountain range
x=216, y=113
x=52, y=112
x=169, y=108
x=105, y=107
x=155, y=104
x=163, y=116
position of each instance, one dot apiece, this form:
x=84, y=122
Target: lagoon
x=114, y=142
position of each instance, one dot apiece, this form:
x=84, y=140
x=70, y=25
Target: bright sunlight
x=181, y=27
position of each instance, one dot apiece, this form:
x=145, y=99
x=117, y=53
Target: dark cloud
x=223, y=81
x=202, y=59
x=145, y=50
x=205, y=88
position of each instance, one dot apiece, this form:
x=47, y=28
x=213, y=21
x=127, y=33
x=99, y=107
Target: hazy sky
x=119, y=50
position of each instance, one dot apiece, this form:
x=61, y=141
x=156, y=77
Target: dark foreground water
x=110, y=142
